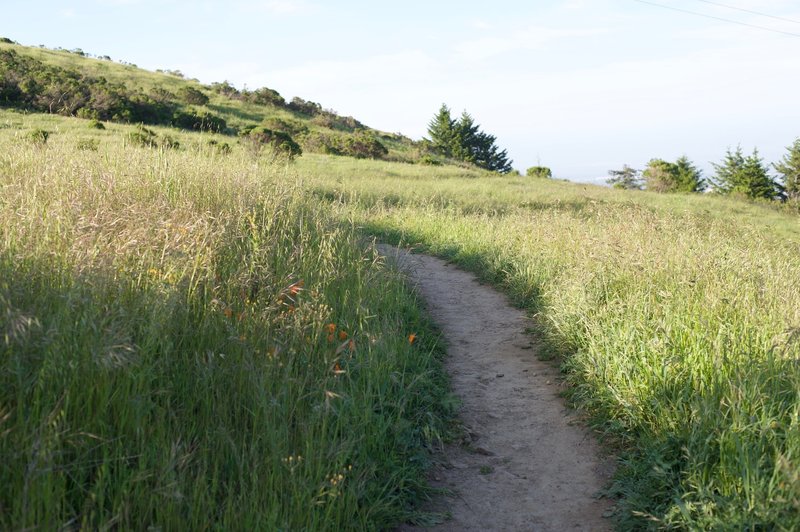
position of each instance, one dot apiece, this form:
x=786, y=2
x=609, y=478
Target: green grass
x=675, y=318
x=175, y=351
x=124, y=273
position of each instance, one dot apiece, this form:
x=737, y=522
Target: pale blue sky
x=580, y=86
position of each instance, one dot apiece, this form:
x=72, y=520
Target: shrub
x=169, y=142
x=199, y=122
x=281, y=142
x=96, y=124
x=264, y=96
x=6, y=40
x=148, y=138
x=363, y=145
x=38, y=136
x=225, y=88
x=193, y=96
x=143, y=137
x=223, y=148
x=321, y=143
x=304, y=107
x=429, y=160
x=292, y=127
x=88, y=144
x=539, y=171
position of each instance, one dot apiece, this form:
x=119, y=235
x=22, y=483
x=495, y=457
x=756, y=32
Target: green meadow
x=189, y=342
x=675, y=318
x=200, y=334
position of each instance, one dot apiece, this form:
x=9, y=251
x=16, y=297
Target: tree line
x=736, y=174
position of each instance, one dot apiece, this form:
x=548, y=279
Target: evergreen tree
x=442, y=130
x=463, y=139
x=627, y=178
x=738, y=174
x=689, y=177
x=680, y=176
x=789, y=168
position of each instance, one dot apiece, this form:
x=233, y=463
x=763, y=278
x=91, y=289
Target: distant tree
x=442, y=132
x=690, y=178
x=627, y=178
x=539, y=171
x=737, y=174
x=789, y=168
x=463, y=139
x=680, y=176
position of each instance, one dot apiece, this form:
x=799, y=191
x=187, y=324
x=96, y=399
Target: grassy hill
x=315, y=128
x=176, y=319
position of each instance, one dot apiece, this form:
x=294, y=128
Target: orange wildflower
x=411, y=338
x=352, y=345
x=342, y=335
x=331, y=328
x=228, y=312
x=295, y=288
x=330, y=338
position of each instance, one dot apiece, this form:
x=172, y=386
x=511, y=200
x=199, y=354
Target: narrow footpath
x=527, y=464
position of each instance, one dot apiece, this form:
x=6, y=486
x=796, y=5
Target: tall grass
x=679, y=331
x=188, y=342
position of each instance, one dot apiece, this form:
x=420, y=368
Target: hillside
x=71, y=83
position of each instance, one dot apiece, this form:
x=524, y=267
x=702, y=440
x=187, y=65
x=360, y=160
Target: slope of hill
x=73, y=84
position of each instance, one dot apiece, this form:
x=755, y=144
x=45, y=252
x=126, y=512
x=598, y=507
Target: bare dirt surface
x=527, y=463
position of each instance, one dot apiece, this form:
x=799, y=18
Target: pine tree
x=627, y=178
x=689, y=177
x=738, y=174
x=789, y=168
x=442, y=130
x=463, y=139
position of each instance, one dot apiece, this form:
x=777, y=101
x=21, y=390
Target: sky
x=580, y=86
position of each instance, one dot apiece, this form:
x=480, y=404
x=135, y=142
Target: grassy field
x=676, y=320
x=188, y=341
x=171, y=320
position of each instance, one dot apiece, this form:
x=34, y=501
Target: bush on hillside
x=88, y=144
x=222, y=148
x=147, y=138
x=264, y=96
x=193, y=96
x=540, y=172
x=292, y=127
x=304, y=107
x=38, y=136
x=361, y=145
x=224, y=88
x=199, y=122
x=95, y=124
x=282, y=143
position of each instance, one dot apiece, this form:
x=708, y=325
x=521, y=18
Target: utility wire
x=750, y=11
x=773, y=30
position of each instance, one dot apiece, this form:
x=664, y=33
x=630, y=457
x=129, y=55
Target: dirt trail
x=529, y=464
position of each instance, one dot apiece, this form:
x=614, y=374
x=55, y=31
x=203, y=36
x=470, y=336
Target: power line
x=750, y=11
x=773, y=30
